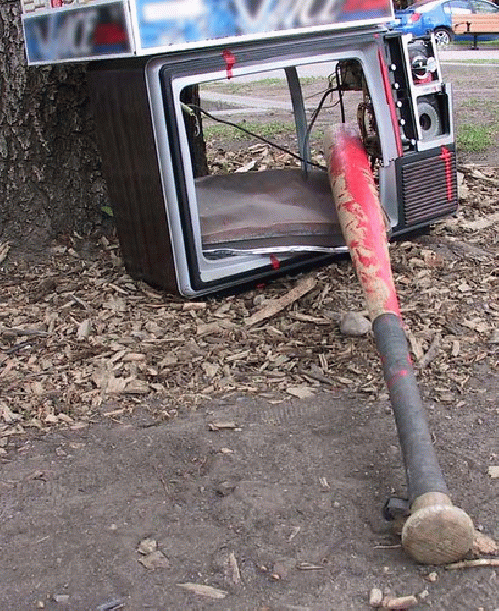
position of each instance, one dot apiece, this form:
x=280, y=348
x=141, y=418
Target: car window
x=420, y=3
x=457, y=7
x=479, y=6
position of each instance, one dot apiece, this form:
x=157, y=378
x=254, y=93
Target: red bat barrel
x=436, y=532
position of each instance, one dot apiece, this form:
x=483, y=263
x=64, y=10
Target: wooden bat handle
x=361, y=219
x=437, y=532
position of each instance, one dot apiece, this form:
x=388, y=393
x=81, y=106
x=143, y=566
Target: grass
x=473, y=102
x=470, y=61
x=237, y=87
x=474, y=138
x=467, y=43
x=269, y=82
x=266, y=129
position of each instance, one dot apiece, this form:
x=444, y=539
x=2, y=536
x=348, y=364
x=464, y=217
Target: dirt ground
x=147, y=445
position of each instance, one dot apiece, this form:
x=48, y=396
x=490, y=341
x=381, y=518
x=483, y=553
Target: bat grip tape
x=420, y=460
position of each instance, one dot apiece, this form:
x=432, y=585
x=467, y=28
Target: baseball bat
x=436, y=531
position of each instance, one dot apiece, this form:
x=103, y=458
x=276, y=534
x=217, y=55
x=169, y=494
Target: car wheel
x=443, y=36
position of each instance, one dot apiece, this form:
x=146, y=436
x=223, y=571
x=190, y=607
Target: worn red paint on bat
x=362, y=221
x=401, y=373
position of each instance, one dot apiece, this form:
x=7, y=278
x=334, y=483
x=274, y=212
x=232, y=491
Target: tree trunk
x=194, y=129
x=50, y=179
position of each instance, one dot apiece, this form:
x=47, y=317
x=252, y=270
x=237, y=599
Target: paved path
x=252, y=105
x=459, y=55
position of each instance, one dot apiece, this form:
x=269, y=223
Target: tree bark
x=194, y=129
x=50, y=177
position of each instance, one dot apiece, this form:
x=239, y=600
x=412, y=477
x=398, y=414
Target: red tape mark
x=230, y=60
x=398, y=374
x=275, y=262
x=446, y=155
x=391, y=103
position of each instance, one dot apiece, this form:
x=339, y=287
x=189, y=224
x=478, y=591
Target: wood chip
x=482, y=544
x=202, y=590
x=470, y=564
x=302, y=392
x=375, y=597
x=415, y=343
x=232, y=573
x=155, y=560
x=4, y=251
x=277, y=305
x=217, y=327
x=432, y=351
x=145, y=345
x=133, y=357
x=115, y=385
x=16, y=332
x=316, y=375
x=378, y=601
x=147, y=546
x=222, y=425
x=84, y=329
x=137, y=387
x=6, y=415
x=493, y=471
x=400, y=602
x=482, y=223
x=193, y=306
x=316, y=320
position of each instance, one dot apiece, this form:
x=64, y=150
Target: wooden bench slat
x=475, y=23
x=476, y=17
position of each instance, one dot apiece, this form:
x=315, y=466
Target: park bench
x=476, y=25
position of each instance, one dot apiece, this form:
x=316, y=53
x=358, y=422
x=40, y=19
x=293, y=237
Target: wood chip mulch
x=81, y=341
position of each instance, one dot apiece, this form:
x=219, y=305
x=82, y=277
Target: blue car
x=435, y=16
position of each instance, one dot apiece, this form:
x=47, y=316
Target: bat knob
x=436, y=532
